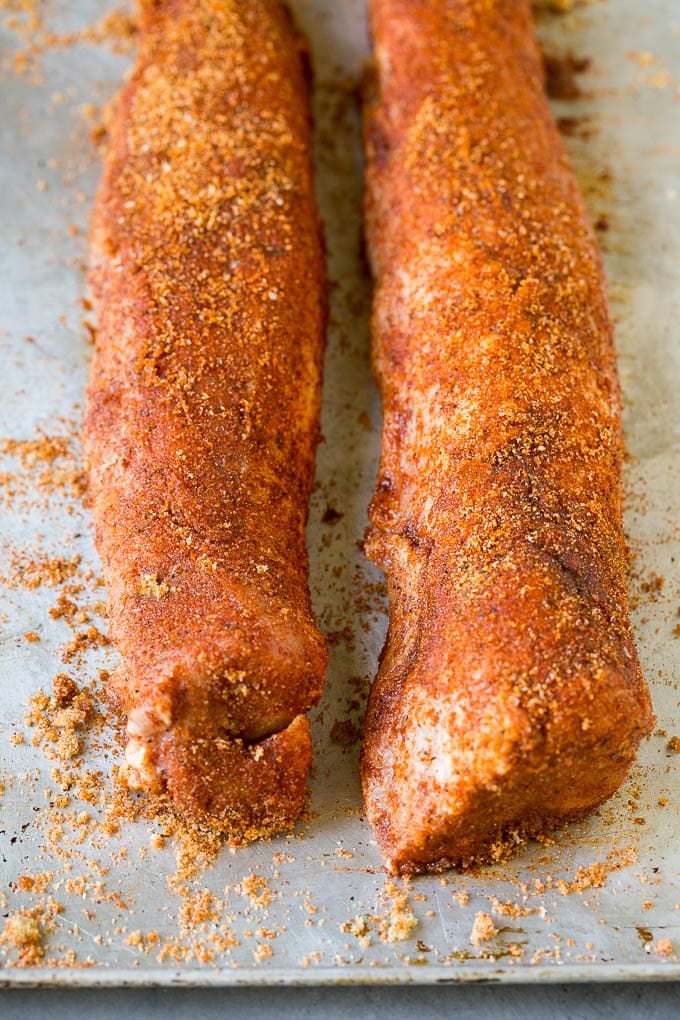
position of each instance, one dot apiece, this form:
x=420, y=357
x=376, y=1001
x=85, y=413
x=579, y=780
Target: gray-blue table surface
x=575, y=1002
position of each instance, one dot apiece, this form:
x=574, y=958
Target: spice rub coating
x=207, y=273
x=509, y=694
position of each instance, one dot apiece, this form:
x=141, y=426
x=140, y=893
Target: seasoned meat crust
x=202, y=418
x=509, y=695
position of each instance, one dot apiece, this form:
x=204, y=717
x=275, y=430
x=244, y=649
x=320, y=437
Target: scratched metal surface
x=622, y=141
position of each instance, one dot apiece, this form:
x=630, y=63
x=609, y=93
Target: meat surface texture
x=202, y=418
x=509, y=695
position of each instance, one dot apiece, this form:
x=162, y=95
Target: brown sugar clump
x=358, y=927
x=22, y=933
x=58, y=720
x=150, y=586
x=509, y=909
x=483, y=929
x=663, y=947
x=400, y=919
x=256, y=888
x=64, y=690
x=263, y=952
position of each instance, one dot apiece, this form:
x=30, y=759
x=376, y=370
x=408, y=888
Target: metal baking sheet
x=598, y=903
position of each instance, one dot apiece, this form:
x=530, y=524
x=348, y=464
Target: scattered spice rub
x=509, y=695
x=203, y=410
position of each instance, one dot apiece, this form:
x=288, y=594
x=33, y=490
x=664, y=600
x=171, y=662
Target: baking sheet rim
x=158, y=977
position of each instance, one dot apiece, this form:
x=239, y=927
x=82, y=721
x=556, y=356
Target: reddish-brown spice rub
x=509, y=694
x=203, y=409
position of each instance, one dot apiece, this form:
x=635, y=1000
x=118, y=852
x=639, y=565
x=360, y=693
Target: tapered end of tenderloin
x=220, y=783
x=448, y=782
